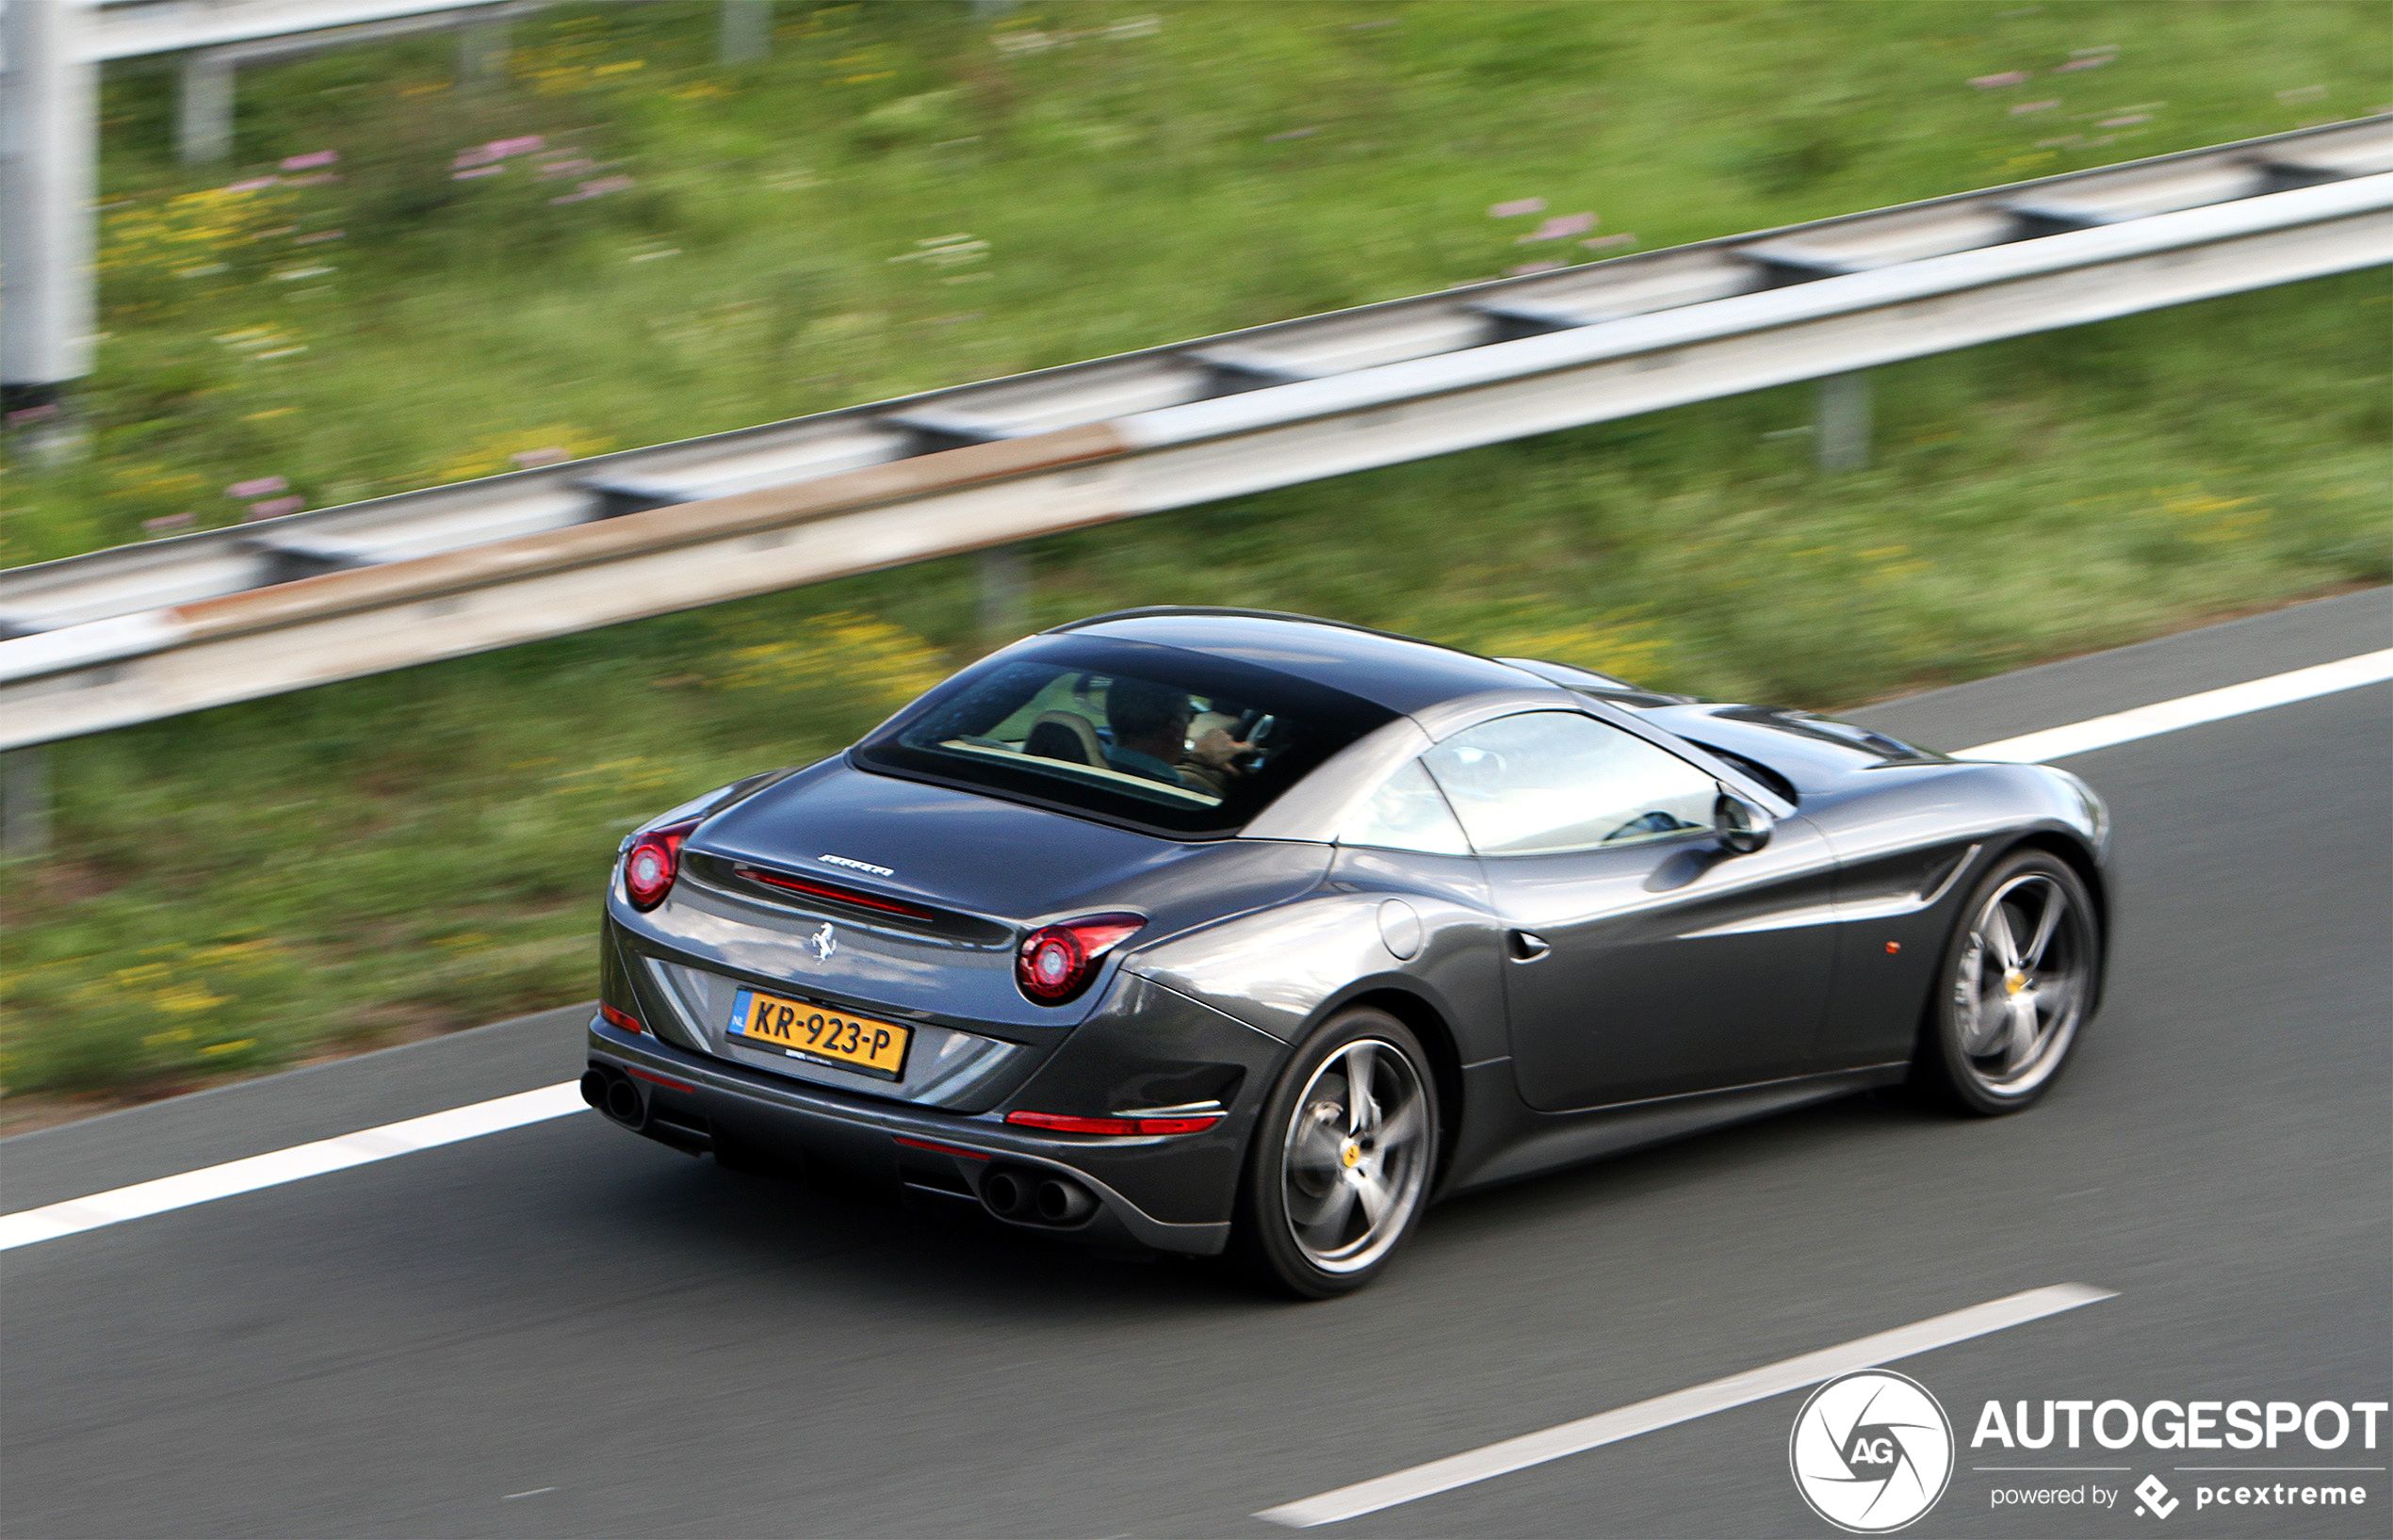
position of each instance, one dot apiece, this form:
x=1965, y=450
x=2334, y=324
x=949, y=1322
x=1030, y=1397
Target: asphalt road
x=565, y=1330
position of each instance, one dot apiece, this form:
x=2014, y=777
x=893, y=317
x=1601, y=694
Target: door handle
x=1524, y=947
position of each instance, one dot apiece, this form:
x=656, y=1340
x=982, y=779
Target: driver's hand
x=1216, y=749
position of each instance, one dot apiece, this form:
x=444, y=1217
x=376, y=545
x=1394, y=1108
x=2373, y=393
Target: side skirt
x=1542, y=1142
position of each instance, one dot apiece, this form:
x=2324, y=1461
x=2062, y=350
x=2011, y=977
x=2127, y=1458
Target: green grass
x=263, y=883
x=1133, y=190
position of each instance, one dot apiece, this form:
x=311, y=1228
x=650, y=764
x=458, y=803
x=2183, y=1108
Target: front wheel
x=1343, y=1152
x=2019, y=979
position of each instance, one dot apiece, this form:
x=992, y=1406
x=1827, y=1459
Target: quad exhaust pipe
x=1028, y=1197
x=1062, y=1202
x=1007, y=1194
x=613, y=1093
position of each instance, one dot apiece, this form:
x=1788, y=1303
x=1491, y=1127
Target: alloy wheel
x=2020, y=986
x=1357, y=1156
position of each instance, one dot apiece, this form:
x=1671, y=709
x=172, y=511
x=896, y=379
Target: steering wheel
x=1254, y=726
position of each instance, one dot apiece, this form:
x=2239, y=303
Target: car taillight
x=1057, y=962
x=622, y=1019
x=652, y=862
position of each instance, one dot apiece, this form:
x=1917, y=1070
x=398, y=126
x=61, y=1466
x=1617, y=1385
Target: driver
x=1150, y=737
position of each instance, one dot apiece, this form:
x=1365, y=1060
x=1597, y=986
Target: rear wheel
x=1343, y=1155
x=2019, y=979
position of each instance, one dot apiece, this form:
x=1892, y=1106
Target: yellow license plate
x=817, y=1033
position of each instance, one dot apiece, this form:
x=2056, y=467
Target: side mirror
x=1742, y=827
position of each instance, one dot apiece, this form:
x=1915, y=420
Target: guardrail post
x=49, y=129
x=25, y=801
x=1843, y=425
x=747, y=30
x=1004, y=572
x=482, y=47
x=204, y=108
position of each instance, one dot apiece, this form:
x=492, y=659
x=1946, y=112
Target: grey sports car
x=1207, y=931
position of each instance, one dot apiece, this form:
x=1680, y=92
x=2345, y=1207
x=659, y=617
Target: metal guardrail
x=129, y=29
x=149, y=631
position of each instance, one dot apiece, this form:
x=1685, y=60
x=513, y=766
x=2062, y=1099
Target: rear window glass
x=1160, y=738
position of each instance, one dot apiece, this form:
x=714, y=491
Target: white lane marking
x=28, y=1225
x=288, y=1165
x=2188, y=711
x=1681, y=1406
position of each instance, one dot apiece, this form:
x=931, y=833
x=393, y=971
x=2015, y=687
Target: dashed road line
x=2189, y=710
x=1681, y=1406
x=209, y=1183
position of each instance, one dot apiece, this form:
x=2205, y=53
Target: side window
x=1548, y=781
x=1407, y=814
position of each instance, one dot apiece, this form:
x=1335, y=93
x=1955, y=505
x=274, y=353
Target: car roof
x=1402, y=673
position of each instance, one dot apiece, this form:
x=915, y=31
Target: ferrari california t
x=1204, y=931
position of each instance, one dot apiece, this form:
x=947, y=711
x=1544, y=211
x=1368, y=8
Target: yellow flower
x=1625, y=649
x=497, y=452
x=185, y=998
x=845, y=650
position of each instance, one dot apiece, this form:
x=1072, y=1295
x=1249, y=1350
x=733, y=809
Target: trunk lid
x=968, y=875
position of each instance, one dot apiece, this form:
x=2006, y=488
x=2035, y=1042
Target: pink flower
x=1527, y=267
x=2123, y=121
x=607, y=184
x=502, y=148
x=263, y=486
x=474, y=155
x=1515, y=208
x=532, y=458
x=1560, y=227
x=479, y=171
x=565, y=167
x=311, y=160
x=170, y=520
x=1604, y=242
x=2009, y=77
x=2083, y=64
x=253, y=184
x=277, y=508
x=2020, y=109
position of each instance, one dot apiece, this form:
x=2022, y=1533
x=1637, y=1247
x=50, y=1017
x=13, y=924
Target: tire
x=1304, y=1220
x=2014, y=989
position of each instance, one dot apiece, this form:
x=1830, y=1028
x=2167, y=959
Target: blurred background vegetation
x=409, y=279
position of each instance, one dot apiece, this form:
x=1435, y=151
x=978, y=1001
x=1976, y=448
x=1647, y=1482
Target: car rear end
x=918, y=969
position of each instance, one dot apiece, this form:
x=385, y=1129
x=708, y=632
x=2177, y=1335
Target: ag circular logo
x=1871, y=1451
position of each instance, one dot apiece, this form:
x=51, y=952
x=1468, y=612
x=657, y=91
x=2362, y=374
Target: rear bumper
x=1169, y=1193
